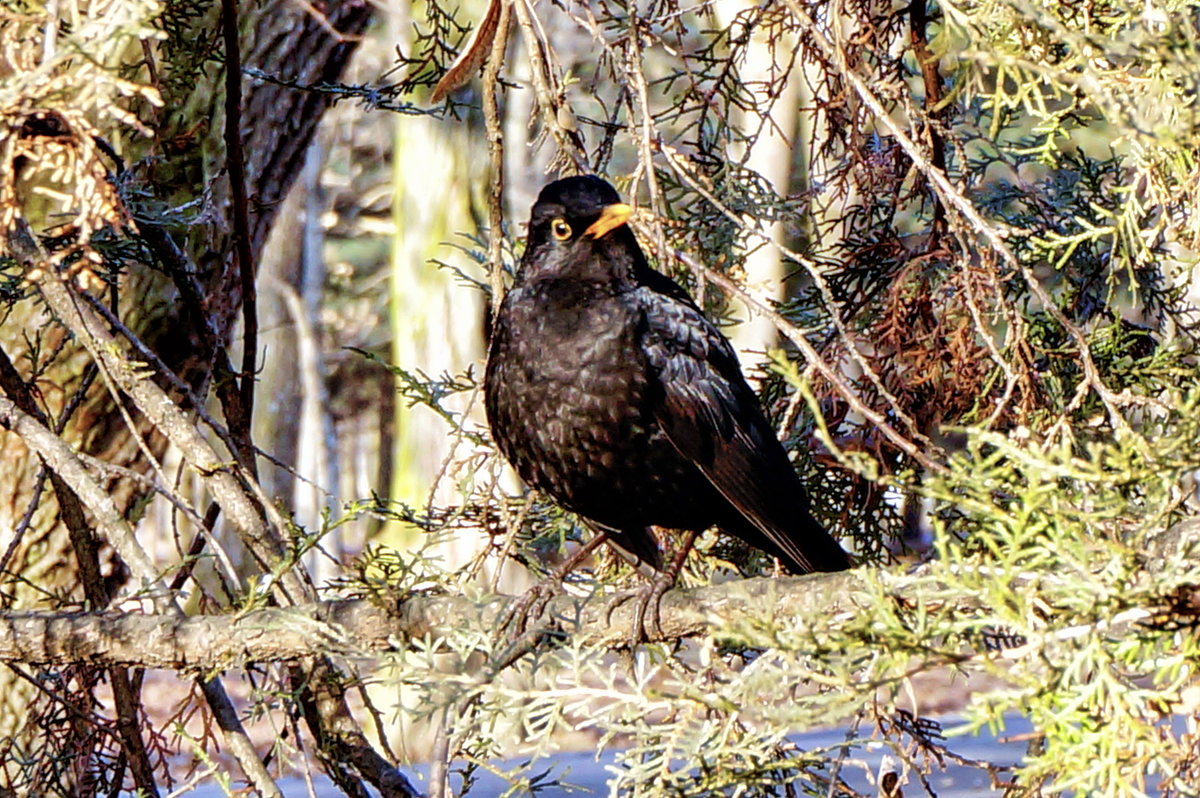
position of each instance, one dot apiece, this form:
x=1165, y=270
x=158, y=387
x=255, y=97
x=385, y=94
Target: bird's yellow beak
x=612, y=217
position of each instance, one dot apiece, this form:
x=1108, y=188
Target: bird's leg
x=531, y=605
x=659, y=586
x=650, y=595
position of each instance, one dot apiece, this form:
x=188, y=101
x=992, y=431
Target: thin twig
x=643, y=119
x=686, y=175
x=539, y=66
x=236, y=165
x=918, y=20
x=495, y=140
x=193, y=401
x=832, y=375
x=126, y=698
x=959, y=201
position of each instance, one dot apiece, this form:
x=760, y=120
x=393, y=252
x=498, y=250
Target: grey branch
x=357, y=627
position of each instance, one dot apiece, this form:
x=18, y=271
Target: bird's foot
x=520, y=628
x=646, y=614
x=649, y=596
x=521, y=614
x=529, y=607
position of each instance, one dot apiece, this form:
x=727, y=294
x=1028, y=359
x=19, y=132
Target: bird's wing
x=712, y=417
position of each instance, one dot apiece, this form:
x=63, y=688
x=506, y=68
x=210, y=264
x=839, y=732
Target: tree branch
x=358, y=626
x=246, y=267
x=262, y=539
x=241, y=499
x=951, y=196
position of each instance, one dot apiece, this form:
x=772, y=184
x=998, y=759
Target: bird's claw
x=521, y=614
x=649, y=597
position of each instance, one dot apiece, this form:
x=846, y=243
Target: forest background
x=250, y=518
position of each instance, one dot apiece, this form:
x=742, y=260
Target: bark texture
x=360, y=626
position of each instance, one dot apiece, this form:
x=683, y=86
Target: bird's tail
x=815, y=549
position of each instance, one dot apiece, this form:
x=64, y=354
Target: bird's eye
x=560, y=229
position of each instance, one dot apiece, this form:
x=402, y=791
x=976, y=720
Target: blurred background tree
x=953, y=241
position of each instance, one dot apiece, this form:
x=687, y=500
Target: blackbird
x=609, y=390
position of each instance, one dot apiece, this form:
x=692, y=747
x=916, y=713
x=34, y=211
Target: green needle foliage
x=1028, y=371
x=986, y=226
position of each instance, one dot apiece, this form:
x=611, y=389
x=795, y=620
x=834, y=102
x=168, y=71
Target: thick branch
x=356, y=627
x=342, y=741
x=125, y=689
x=111, y=352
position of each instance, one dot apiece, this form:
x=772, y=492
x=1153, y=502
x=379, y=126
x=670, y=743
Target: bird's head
x=577, y=230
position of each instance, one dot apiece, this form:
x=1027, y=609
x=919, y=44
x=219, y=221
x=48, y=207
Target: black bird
x=608, y=389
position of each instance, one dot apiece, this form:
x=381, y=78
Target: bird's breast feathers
x=574, y=382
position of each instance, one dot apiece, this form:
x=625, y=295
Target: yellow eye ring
x=560, y=230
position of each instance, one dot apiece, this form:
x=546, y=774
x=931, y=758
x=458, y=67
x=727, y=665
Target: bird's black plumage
x=609, y=390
